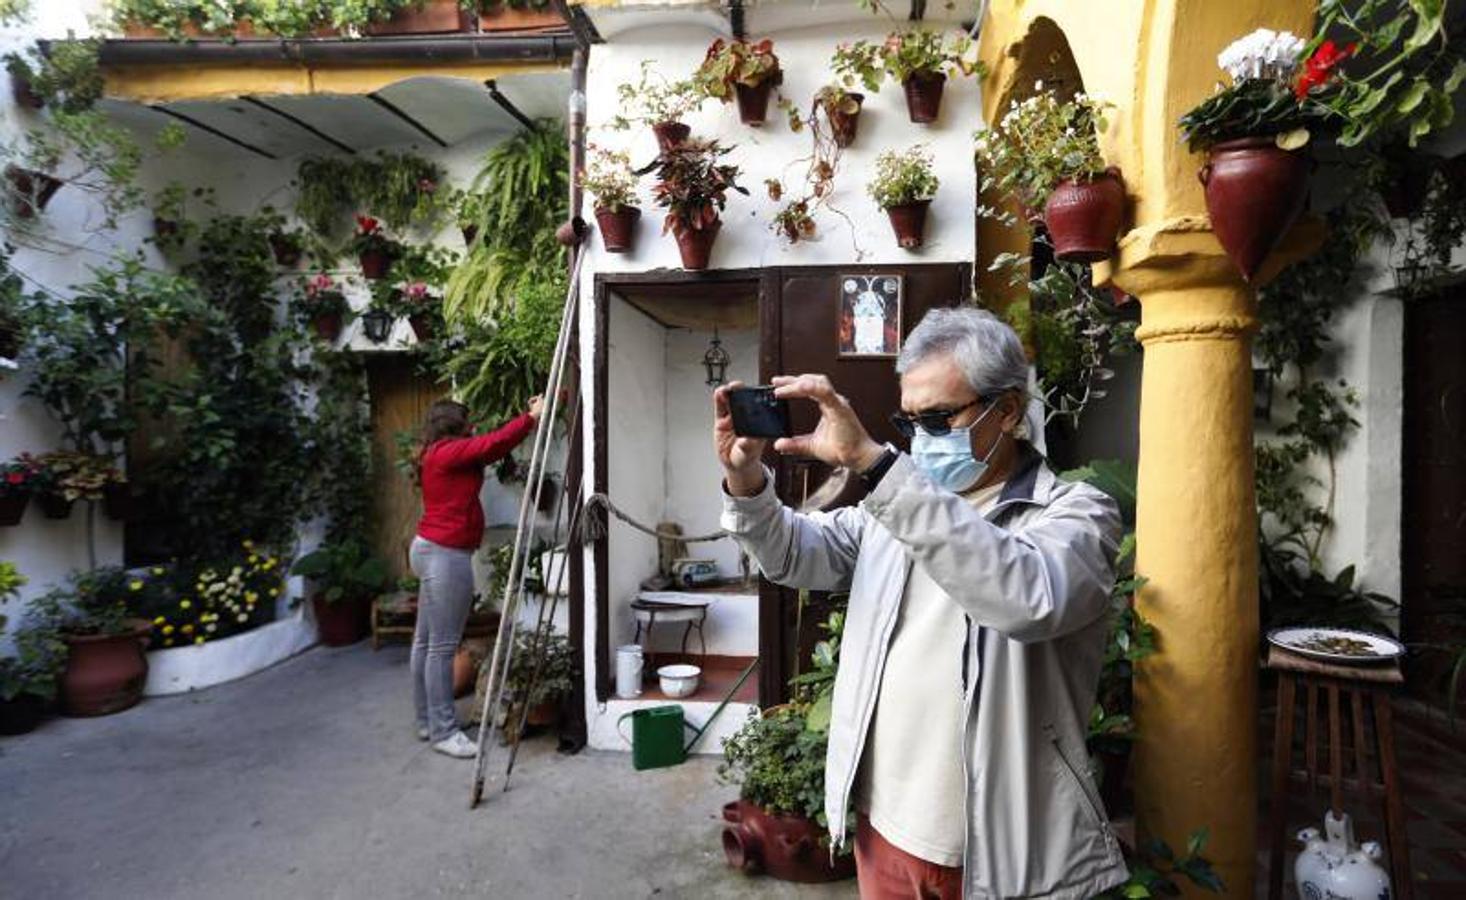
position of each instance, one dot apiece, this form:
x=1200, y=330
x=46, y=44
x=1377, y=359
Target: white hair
x=984, y=347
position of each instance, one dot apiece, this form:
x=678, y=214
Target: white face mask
x=948, y=458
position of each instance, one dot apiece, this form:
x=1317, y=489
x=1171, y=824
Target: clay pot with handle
x=1255, y=191
x=786, y=847
x=1084, y=216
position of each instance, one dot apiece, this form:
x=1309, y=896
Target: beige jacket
x=1034, y=577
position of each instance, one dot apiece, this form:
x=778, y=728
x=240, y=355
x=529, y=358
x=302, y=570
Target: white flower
x=1038, y=85
x=1262, y=54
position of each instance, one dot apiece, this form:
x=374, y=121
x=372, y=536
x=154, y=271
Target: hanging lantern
x=377, y=323
x=715, y=360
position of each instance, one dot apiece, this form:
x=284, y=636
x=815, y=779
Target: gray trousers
x=444, y=599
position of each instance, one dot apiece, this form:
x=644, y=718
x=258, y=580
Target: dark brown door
x=801, y=327
x=1433, y=509
x=400, y=399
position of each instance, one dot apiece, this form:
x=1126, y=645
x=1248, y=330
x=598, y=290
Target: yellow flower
x=167, y=629
x=157, y=570
x=168, y=642
x=187, y=629
x=274, y=592
x=242, y=617
x=199, y=639
x=160, y=621
x=269, y=564
x=185, y=604
x=251, y=596
x=134, y=585
x=253, y=558
x=249, y=545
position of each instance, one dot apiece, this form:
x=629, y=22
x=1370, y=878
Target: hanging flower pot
x=286, y=249
x=753, y=101
x=470, y=234
x=843, y=120
x=1083, y=217
x=908, y=220
x=12, y=509
x=924, y=96
x=104, y=673
x=327, y=326
x=30, y=190
x=374, y=264
x=165, y=229
x=342, y=623
x=422, y=326
x=618, y=227
x=670, y=135
x=1255, y=191
x=54, y=506
x=696, y=244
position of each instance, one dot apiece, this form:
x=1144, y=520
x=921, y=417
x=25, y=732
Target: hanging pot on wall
x=1084, y=216
x=753, y=101
x=422, y=326
x=1255, y=191
x=670, y=135
x=696, y=245
x=908, y=220
x=843, y=125
x=12, y=509
x=374, y=264
x=470, y=234
x=104, y=673
x=54, y=506
x=924, y=96
x=327, y=326
x=30, y=190
x=618, y=227
x=287, y=251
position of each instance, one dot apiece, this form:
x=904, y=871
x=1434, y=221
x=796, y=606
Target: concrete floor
x=306, y=781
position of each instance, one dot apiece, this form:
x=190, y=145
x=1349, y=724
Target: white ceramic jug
x=1335, y=868
x=628, y=671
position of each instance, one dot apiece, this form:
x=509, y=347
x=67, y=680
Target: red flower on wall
x=1319, y=67
x=367, y=225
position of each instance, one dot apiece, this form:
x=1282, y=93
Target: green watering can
x=656, y=732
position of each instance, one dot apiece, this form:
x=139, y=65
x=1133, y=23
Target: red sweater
x=453, y=475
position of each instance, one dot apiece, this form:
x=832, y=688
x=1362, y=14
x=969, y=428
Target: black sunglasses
x=935, y=422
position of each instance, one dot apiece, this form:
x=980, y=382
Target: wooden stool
x=393, y=615
x=1337, y=684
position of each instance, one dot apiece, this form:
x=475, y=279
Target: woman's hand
x=839, y=439
x=536, y=407
x=740, y=456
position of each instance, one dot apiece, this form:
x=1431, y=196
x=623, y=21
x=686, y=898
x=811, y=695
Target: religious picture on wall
x=870, y=315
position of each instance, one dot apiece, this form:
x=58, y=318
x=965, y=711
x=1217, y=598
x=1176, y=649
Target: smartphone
x=757, y=413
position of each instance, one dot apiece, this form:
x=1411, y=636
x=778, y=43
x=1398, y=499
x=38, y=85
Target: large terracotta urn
x=1255, y=191
x=789, y=848
x=105, y=673
x=1084, y=216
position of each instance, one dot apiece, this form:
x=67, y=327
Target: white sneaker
x=422, y=732
x=457, y=745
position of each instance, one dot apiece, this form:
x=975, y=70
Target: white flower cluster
x=1262, y=54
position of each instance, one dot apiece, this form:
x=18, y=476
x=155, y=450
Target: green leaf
x=818, y=718
x=1137, y=891
x=1412, y=96
x=1430, y=14
x=1453, y=81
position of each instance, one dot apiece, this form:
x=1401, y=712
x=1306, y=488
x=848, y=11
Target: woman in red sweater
x=451, y=470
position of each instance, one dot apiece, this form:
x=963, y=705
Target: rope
x=593, y=527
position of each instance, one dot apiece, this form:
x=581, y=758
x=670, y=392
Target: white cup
x=628, y=671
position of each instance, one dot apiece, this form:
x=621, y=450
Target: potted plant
x=374, y=250
x=842, y=109
x=287, y=246
x=13, y=302
x=105, y=667
x=22, y=82
x=660, y=103
x=693, y=187
x=28, y=677
x=1044, y=153
x=70, y=476
x=472, y=209
x=321, y=304
x=347, y=578
x=541, y=674
x=422, y=310
x=904, y=186
x=610, y=179
x=742, y=70
x=30, y=190
x=919, y=60
x=20, y=479
x=65, y=77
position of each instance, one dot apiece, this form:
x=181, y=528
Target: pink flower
x=417, y=292
x=426, y=185
x=319, y=284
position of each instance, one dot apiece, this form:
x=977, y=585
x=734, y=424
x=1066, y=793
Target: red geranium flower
x=15, y=478
x=367, y=225
x=1319, y=68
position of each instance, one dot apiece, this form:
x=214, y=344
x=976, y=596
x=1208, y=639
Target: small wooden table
x=1336, y=684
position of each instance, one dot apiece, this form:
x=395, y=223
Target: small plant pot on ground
x=21, y=714
x=696, y=245
x=327, y=326
x=374, y=264
x=670, y=134
x=618, y=229
x=786, y=847
x=908, y=220
x=1255, y=191
x=924, y=96
x=30, y=190
x=753, y=101
x=844, y=125
x=12, y=509
x=342, y=623
x=104, y=673
x=1084, y=217
x=54, y=506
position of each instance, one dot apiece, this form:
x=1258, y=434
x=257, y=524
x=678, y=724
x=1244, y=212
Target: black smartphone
x=757, y=413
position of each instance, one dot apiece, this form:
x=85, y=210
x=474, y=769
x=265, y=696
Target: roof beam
x=301, y=123
x=397, y=111
x=190, y=120
x=508, y=105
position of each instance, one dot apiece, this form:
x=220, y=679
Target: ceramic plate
x=1337, y=645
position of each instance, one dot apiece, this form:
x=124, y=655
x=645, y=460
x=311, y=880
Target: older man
x=979, y=588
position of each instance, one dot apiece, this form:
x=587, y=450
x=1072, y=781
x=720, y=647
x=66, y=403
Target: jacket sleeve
x=815, y=551
x=484, y=449
x=1046, y=580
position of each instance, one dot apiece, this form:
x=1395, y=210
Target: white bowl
x=679, y=680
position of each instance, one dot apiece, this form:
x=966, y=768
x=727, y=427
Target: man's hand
x=740, y=456
x=839, y=439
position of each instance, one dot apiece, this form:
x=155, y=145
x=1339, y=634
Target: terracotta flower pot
x=104, y=673
x=670, y=134
x=21, y=714
x=504, y=17
x=25, y=93
x=785, y=847
x=434, y=17
x=464, y=670
x=422, y=326
x=696, y=245
x=54, y=506
x=843, y=125
x=30, y=190
x=1255, y=191
x=908, y=220
x=287, y=253
x=753, y=101
x=12, y=509
x=618, y=229
x=543, y=714
x=374, y=264
x=165, y=229
x=327, y=326
x=341, y=623
x=924, y=96
x=1084, y=217
x=119, y=502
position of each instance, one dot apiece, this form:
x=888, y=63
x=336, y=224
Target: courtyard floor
x=306, y=781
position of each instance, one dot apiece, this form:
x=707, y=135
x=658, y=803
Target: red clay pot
x=119, y=503
x=12, y=509
x=374, y=264
x=286, y=252
x=21, y=714
x=104, y=673
x=908, y=220
x=54, y=506
x=618, y=229
x=753, y=101
x=30, y=190
x=435, y=17
x=463, y=671
x=924, y=96
x=504, y=17
x=341, y=623
x=543, y=714
x=24, y=93
x=470, y=234
x=670, y=134
x=1255, y=191
x=696, y=245
x=422, y=326
x=785, y=847
x=1083, y=217
x=327, y=326
x=843, y=125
